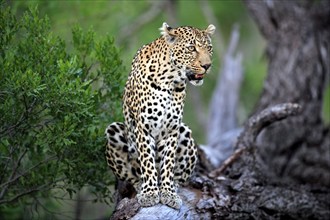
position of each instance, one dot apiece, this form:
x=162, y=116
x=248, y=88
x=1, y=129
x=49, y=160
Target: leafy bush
x=54, y=107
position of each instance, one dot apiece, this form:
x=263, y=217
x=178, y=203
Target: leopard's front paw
x=149, y=198
x=171, y=199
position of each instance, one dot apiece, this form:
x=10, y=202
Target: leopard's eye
x=191, y=48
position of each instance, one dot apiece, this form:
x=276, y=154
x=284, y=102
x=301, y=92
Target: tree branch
x=29, y=191
x=254, y=126
x=263, y=15
x=211, y=19
x=156, y=8
x=224, y=102
x=27, y=171
x=10, y=179
x=263, y=119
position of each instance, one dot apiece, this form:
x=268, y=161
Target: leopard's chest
x=162, y=114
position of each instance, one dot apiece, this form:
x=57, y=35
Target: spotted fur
x=153, y=149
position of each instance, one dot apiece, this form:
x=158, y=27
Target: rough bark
x=298, y=34
x=240, y=193
x=284, y=173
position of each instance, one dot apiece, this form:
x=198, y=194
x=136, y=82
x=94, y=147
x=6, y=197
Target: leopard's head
x=190, y=50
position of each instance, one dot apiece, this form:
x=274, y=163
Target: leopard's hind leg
x=119, y=159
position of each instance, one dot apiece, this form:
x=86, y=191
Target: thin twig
x=29, y=191
x=23, y=194
x=5, y=187
x=226, y=163
x=23, y=117
x=28, y=170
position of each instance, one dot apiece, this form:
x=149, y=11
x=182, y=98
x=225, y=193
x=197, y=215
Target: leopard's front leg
x=167, y=154
x=148, y=194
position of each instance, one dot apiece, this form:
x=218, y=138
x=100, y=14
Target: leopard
x=153, y=149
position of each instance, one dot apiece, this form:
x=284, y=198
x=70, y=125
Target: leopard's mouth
x=195, y=79
x=200, y=76
x=192, y=76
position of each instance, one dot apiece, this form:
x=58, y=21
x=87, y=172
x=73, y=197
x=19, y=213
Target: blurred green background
x=116, y=18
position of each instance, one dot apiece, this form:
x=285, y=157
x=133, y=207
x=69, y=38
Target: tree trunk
x=297, y=33
x=284, y=172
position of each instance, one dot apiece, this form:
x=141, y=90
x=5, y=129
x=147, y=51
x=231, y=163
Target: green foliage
x=54, y=108
x=326, y=105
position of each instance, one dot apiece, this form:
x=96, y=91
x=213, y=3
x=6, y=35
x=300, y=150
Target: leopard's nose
x=206, y=66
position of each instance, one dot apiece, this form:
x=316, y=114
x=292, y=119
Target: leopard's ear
x=167, y=33
x=210, y=29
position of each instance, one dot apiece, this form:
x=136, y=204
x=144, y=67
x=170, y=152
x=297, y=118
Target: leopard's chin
x=197, y=82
